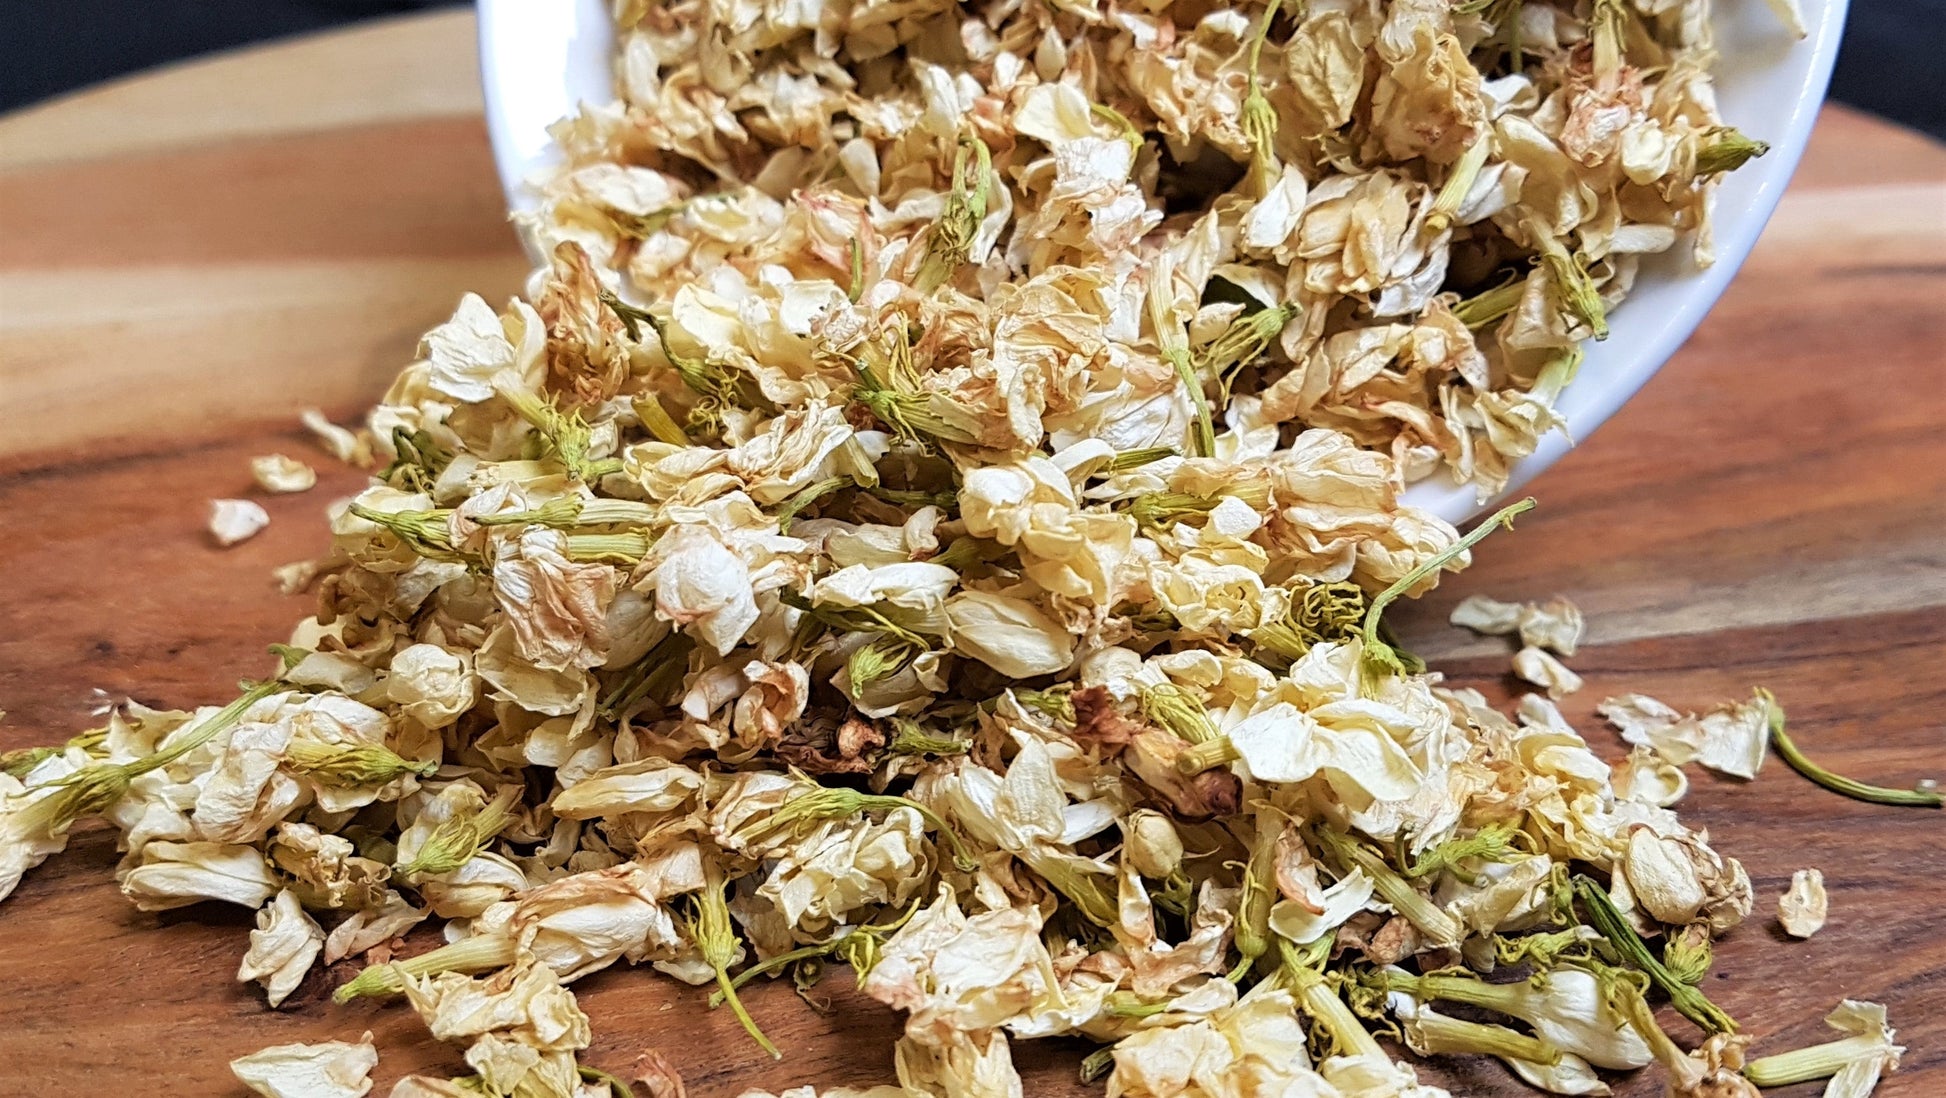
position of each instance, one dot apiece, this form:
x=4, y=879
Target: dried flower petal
x=282, y=947
x=332, y=1069
x=1730, y=738
x=235, y=520
x=277, y=473
x=1801, y=909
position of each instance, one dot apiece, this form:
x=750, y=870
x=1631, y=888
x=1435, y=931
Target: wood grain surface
x=188, y=258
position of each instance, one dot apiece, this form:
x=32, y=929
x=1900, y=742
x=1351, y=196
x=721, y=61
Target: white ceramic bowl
x=541, y=58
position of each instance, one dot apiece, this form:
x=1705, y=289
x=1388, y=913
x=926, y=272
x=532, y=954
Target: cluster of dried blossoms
x=968, y=567
x=1027, y=226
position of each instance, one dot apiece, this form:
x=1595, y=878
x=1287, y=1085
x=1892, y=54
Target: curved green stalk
x=1377, y=659
x=1838, y=783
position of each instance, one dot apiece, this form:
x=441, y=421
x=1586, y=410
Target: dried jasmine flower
x=1853, y=1063
x=716, y=941
x=458, y=838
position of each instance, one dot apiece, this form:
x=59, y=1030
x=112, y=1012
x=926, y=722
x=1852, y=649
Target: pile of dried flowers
x=937, y=517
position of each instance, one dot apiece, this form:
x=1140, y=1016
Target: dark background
x=1893, y=63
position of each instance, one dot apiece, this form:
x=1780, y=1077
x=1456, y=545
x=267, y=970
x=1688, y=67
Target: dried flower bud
x=1154, y=847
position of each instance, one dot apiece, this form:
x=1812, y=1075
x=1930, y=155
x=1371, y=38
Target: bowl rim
x=534, y=71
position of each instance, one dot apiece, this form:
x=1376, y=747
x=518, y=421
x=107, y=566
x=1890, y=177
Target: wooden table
x=189, y=257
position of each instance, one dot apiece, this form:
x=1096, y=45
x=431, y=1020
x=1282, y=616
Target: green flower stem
x=649, y=676
x=1120, y=121
x=1316, y=998
x=1543, y=950
x=566, y=433
x=906, y=497
x=1323, y=612
x=963, y=553
x=1087, y=891
x=899, y=403
x=1377, y=659
x=1056, y=703
x=1688, y=953
x=1725, y=149
x=1172, y=342
x=804, y=498
x=21, y=761
x=949, y=242
x=1628, y=1001
x=569, y=512
x=616, y=1088
x=94, y=789
x=1571, y=280
x=1607, y=919
x=1425, y=916
x=1160, y=510
x=877, y=658
x=1097, y=1063
x=644, y=225
x=1127, y=1004
x=1135, y=459
x=1470, y=990
x=1488, y=306
x=858, y=946
x=18, y=762
x=1259, y=889
x=909, y=737
x=627, y=548
x=1838, y=783
x=1207, y=755
x=1242, y=343
x=1204, y=437
x=178, y=746
x=618, y=512
x=703, y=378
x=1259, y=118
x=657, y=420
x=769, y=965
x=716, y=938
x=1493, y=843
x=424, y=532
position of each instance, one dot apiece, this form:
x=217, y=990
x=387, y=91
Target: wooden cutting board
x=189, y=257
